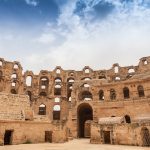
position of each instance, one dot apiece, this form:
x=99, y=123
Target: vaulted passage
x=85, y=114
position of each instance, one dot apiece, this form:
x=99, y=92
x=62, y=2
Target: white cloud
x=31, y=2
x=45, y=38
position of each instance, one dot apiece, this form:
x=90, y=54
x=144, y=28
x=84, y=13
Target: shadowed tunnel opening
x=85, y=113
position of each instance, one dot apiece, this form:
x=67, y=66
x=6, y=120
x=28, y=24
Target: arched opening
x=44, y=83
x=112, y=94
x=69, y=91
x=101, y=95
x=1, y=63
x=16, y=66
x=57, y=90
x=13, y=84
x=85, y=114
x=145, y=62
x=58, y=80
x=57, y=99
x=30, y=95
x=140, y=91
x=86, y=79
x=131, y=70
x=13, y=91
x=43, y=94
x=8, y=137
x=126, y=93
x=116, y=69
x=14, y=76
x=56, y=112
x=87, y=70
x=102, y=77
x=145, y=137
x=117, y=78
x=29, y=80
x=42, y=109
x=58, y=71
x=86, y=85
x=70, y=82
x=85, y=95
x=127, y=119
x=1, y=74
x=71, y=73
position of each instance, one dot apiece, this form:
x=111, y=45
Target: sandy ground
x=80, y=144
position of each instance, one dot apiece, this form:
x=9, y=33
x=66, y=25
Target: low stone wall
x=31, y=132
x=122, y=134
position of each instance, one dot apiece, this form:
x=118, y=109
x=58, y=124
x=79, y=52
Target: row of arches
x=87, y=95
x=15, y=66
x=56, y=111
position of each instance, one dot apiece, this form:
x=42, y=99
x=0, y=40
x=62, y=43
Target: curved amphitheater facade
x=108, y=106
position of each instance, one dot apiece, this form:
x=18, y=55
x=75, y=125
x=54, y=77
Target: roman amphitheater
x=107, y=106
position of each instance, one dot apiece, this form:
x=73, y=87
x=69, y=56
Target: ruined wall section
x=15, y=107
x=11, y=79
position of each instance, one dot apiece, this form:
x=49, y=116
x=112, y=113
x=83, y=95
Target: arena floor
x=80, y=144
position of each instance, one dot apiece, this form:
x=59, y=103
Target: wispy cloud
x=31, y=2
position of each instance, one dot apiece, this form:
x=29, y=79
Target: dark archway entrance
x=48, y=136
x=145, y=136
x=107, y=139
x=85, y=114
x=8, y=137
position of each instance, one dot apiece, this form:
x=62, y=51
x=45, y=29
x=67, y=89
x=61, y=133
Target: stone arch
x=29, y=80
x=126, y=92
x=101, y=95
x=13, y=91
x=44, y=82
x=112, y=94
x=15, y=66
x=14, y=76
x=56, y=112
x=29, y=93
x=84, y=113
x=116, y=69
x=43, y=94
x=58, y=71
x=57, y=90
x=127, y=119
x=42, y=109
x=70, y=82
x=58, y=80
x=85, y=95
x=145, y=135
x=140, y=90
x=1, y=63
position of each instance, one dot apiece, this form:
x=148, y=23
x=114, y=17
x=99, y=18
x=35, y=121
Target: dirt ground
x=80, y=144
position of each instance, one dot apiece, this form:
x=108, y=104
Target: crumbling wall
x=15, y=107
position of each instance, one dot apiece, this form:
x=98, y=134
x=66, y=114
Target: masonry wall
x=34, y=132
x=15, y=107
x=122, y=134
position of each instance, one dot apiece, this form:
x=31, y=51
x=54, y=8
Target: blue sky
x=74, y=33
